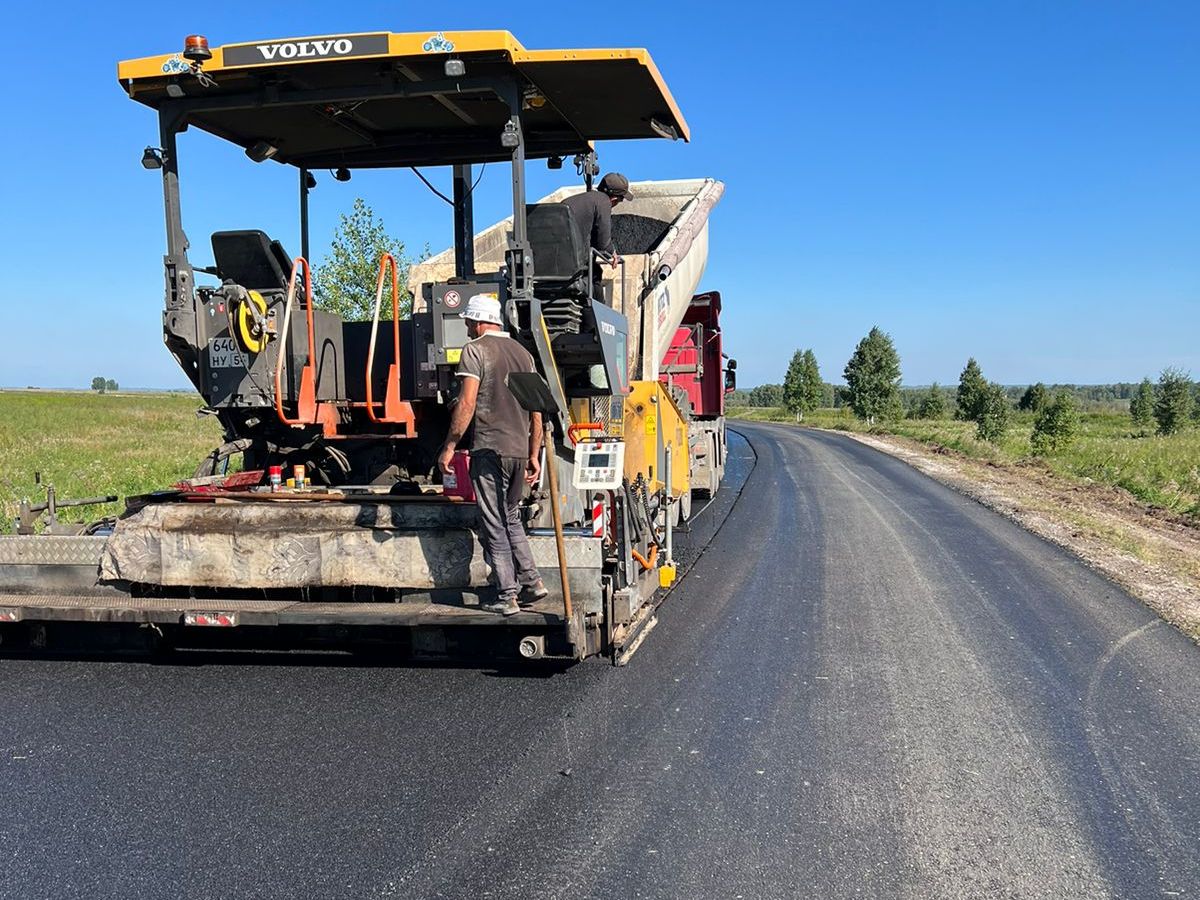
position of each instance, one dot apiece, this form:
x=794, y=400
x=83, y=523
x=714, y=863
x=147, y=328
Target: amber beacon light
x=195, y=48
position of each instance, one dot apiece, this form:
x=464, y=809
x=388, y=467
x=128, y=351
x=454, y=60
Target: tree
x=1034, y=398
x=971, y=390
x=766, y=395
x=992, y=411
x=802, y=388
x=792, y=396
x=1141, y=404
x=812, y=389
x=932, y=405
x=111, y=386
x=98, y=384
x=873, y=377
x=1173, y=406
x=1055, y=425
x=345, y=281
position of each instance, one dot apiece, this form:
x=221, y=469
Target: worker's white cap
x=483, y=308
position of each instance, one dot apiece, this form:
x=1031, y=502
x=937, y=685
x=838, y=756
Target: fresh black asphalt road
x=866, y=686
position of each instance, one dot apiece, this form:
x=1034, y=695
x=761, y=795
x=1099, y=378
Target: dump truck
x=323, y=511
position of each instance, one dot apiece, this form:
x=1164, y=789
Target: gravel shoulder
x=1153, y=555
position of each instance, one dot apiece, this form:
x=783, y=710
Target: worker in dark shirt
x=592, y=212
x=505, y=454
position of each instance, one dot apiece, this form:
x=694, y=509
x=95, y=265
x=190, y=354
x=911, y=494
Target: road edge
x=728, y=511
x=1169, y=594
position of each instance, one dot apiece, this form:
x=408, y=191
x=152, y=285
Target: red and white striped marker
x=598, y=516
x=211, y=620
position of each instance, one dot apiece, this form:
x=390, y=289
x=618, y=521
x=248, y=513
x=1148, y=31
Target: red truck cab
x=694, y=369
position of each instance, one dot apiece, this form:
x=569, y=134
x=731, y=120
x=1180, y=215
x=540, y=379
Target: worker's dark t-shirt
x=501, y=424
x=592, y=212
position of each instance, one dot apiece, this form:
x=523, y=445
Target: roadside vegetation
x=1141, y=437
x=1163, y=471
x=90, y=444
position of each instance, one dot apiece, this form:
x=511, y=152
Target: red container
x=458, y=482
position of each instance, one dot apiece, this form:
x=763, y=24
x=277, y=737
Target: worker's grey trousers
x=499, y=482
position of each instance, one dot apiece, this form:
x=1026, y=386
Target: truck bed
x=655, y=285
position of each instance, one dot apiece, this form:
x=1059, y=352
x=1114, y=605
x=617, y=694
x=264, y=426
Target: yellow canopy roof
x=325, y=101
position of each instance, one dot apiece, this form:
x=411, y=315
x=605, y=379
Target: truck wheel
x=685, y=506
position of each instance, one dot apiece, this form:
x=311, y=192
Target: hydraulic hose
x=647, y=562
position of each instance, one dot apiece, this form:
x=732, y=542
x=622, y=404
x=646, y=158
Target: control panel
x=599, y=465
x=447, y=302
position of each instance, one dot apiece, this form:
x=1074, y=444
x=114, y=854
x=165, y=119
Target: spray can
x=275, y=474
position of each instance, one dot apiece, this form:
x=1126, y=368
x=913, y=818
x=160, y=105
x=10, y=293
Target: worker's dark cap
x=616, y=185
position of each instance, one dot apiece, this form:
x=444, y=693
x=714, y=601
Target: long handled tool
x=534, y=396
x=556, y=512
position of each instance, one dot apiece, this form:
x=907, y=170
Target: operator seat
x=560, y=264
x=281, y=257
x=251, y=259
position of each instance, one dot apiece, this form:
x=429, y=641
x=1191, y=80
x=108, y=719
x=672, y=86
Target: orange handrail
x=388, y=261
x=306, y=406
x=583, y=426
x=394, y=409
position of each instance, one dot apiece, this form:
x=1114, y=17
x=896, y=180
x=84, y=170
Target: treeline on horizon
x=1094, y=397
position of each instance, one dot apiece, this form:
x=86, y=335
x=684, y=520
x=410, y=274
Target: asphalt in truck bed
x=866, y=685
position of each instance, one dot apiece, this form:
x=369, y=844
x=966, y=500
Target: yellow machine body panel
x=569, y=95
x=653, y=423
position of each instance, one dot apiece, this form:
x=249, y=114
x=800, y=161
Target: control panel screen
x=599, y=465
x=454, y=331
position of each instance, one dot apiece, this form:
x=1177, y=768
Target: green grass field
x=1161, y=471
x=89, y=444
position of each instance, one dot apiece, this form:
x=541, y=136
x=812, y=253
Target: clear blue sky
x=1011, y=180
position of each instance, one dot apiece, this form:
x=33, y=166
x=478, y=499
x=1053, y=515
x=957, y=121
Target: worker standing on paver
x=592, y=212
x=505, y=455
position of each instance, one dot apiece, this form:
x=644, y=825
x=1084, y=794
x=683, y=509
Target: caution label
x=651, y=425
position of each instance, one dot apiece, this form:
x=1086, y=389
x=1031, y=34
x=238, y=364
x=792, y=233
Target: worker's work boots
x=532, y=593
x=504, y=606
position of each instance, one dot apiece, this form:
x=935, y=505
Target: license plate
x=224, y=353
